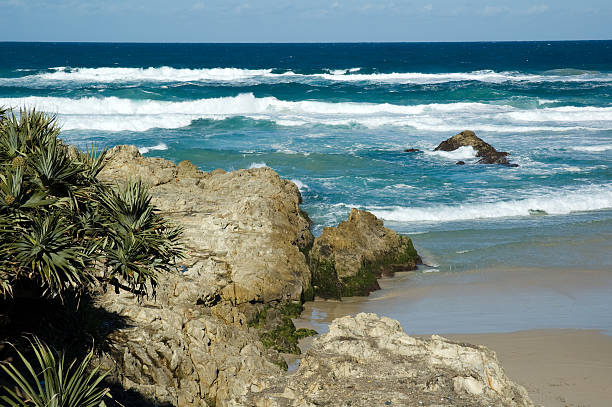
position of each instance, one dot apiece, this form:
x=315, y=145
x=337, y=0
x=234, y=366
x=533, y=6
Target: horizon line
x=297, y=42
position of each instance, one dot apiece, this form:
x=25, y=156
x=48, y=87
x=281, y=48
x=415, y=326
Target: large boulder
x=346, y=260
x=487, y=153
x=244, y=235
x=369, y=361
x=244, y=227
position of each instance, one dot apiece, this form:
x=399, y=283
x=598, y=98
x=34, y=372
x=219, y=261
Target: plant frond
x=50, y=382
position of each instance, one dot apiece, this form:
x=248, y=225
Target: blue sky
x=303, y=20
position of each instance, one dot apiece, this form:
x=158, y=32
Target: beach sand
x=558, y=367
x=550, y=328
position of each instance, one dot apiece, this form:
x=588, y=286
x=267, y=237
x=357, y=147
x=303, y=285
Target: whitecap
x=257, y=165
x=157, y=147
x=590, y=198
x=593, y=149
x=301, y=186
x=231, y=74
x=119, y=114
x=462, y=153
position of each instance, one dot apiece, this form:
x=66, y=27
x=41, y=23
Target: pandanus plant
x=62, y=229
x=64, y=232
x=52, y=382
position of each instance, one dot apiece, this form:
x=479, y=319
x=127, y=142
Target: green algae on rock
x=276, y=329
x=347, y=260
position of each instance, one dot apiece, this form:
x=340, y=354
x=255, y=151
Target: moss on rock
x=276, y=329
x=347, y=260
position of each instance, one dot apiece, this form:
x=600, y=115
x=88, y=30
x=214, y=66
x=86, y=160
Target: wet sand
x=550, y=328
x=557, y=367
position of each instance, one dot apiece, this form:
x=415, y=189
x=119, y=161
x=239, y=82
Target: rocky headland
x=214, y=330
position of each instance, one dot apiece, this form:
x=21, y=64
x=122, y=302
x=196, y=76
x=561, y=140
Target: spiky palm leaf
x=21, y=133
x=46, y=252
x=92, y=162
x=64, y=222
x=54, y=170
x=139, y=242
x=50, y=382
x=17, y=193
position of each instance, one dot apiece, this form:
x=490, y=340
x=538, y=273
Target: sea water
x=336, y=118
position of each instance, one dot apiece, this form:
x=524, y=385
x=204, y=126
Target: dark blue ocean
x=335, y=119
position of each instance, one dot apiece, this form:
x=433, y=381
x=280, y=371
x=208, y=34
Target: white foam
x=118, y=114
x=257, y=165
x=563, y=114
x=593, y=149
x=157, y=147
x=462, y=153
x=161, y=74
x=301, y=186
x=229, y=74
x=554, y=203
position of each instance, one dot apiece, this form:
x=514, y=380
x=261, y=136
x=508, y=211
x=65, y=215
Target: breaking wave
x=462, y=153
x=118, y=114
x=157, y=147
x=171, y=75
x=581, y=200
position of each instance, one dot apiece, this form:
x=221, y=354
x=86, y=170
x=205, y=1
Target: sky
x=303, y=20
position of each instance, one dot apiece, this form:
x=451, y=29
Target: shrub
x=62, y=229
x=50, y=382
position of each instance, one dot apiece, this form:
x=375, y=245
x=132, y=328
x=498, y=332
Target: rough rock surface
x=191, y=345
x=345, y=260
x=369, y=361
x=488, y=154
x=243, y=228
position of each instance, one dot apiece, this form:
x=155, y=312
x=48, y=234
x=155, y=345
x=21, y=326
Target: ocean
x=336, y=118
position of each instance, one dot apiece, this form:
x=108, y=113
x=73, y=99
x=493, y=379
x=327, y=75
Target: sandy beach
x=550, y=328
x=558, y=367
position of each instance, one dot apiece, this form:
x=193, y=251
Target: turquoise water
x=335, y=119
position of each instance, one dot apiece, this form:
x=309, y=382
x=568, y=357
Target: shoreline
x=558, y=365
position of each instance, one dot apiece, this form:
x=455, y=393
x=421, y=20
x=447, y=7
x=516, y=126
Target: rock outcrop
x=243, y=228
x=487, y=153
x=243, y=231
x=199, y=342
x=346, y=260
x=369, y=361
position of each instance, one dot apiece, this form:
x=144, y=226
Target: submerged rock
x=346, y=260
x=369, y=361
x=411, y=150
x=487, y=153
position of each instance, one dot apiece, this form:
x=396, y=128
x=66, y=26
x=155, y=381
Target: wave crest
x=118, y=114
x=229, y=74
x=581, y=200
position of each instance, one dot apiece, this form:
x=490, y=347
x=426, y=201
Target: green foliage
x=51, y=382
x=61, y=228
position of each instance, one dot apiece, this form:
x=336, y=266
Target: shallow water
x=485, y=301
